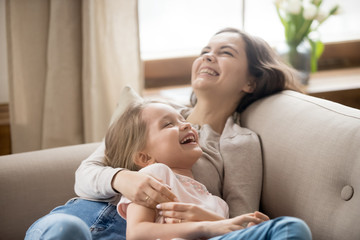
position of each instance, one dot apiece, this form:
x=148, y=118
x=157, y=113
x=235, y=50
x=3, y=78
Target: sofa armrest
x=33, y=183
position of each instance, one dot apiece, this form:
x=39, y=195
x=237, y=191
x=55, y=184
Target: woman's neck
x=213, y=114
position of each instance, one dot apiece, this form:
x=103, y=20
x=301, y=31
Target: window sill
x=340, y=85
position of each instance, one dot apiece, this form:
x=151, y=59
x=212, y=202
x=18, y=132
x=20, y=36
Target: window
x=182, y=27
x=170, y=28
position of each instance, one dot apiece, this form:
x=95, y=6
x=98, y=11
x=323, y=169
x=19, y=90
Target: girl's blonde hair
x=126, y=137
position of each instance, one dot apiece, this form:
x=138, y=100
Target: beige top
x=231, y=168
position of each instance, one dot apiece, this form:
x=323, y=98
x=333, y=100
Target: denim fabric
x=279, y=228
x=84, y=220
x=101, y=219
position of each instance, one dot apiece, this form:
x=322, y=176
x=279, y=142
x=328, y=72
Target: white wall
x=4, y=93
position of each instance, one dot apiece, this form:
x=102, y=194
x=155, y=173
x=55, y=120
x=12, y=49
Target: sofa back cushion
x=311, y=156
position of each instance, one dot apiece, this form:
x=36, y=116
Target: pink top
x=185, y=188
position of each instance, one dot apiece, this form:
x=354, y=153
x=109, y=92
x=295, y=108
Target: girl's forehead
x=158, y=110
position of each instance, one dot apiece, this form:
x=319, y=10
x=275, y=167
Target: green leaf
x=317, y=48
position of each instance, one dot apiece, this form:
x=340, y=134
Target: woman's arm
x=140, y=225
x=95, y=180
x=241, y=152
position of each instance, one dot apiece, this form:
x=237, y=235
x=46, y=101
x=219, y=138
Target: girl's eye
x=168, y=124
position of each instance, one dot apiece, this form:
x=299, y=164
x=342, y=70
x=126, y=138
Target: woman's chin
x=202, y=84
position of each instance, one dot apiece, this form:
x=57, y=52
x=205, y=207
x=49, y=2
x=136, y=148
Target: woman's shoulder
x=233, y=126
x=234, y=135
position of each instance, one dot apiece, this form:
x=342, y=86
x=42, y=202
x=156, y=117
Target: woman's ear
x=250, y=86
x=143, y=159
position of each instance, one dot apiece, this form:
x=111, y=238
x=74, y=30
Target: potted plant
x=300, y=18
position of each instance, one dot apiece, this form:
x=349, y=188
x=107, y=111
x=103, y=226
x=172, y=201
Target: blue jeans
x=82, y=219
x=278, y=228
x=79, y=219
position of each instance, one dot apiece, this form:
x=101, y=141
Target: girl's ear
x=143, y=159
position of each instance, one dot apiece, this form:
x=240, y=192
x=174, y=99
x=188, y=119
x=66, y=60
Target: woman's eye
x=203, y=52
x=228, y=53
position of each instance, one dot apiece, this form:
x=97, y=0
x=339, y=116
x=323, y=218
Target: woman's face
x=222, y=68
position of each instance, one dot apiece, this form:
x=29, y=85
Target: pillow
x=127, y=96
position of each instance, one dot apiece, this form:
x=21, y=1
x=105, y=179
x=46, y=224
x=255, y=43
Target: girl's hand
x=176, y=212
x=216, y=228
x=142, y=189
x=260, y=216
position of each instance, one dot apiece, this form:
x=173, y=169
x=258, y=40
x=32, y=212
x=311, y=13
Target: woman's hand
x=176, y=212
x=142, y=189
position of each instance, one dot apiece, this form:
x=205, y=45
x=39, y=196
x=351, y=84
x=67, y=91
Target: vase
x=299, y=57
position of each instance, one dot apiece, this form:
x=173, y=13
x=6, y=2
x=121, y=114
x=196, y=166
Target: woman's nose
x=208, y=57
x=185, y=126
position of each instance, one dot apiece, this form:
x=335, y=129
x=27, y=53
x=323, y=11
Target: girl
x=153, y=137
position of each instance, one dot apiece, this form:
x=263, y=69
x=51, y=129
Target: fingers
x=173, y=212
x=247, y=220
x=155, y=193
x=164, y=192
x=174, y=206
x=251, y=224
x=173, y=220
x=261, y=216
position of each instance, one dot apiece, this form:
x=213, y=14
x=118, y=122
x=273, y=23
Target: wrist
x=203, y=229
x=117, y=179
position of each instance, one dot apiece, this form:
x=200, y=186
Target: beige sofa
x=311, y=152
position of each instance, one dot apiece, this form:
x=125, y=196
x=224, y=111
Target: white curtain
x=68, y=61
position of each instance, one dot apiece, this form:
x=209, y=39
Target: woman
x=233, y=70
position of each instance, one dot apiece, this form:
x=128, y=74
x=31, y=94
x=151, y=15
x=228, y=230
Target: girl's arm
x=140, y=225
x=95, y=180
x=173, y=212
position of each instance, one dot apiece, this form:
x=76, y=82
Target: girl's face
x=170, y=139
x=222, y=68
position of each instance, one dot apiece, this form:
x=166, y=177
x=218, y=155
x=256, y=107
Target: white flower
x=310, y=11
x=278, y=2
x=316, y=2
x=293, y=6
x=321, y=15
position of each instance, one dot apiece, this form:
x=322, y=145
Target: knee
x=59, y=226
x=297, y=228
x=71, y=227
